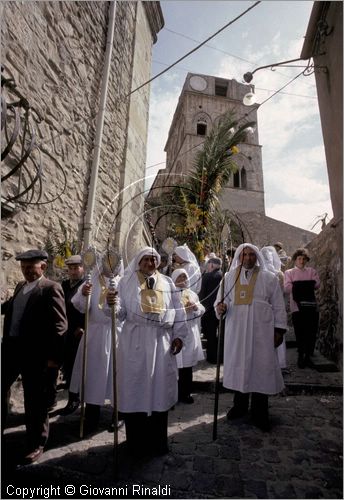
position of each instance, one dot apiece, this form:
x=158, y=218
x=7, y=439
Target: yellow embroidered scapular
x=244, y=293
x=152, y=301
x=185, y=298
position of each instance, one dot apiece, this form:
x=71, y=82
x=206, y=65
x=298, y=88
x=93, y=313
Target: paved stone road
x=301, y=457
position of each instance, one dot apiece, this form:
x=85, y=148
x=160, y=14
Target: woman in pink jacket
x=301, y=282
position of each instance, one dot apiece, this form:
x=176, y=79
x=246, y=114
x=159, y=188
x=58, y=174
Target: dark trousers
x=146, y=433
x=52, y=374
x=259, y=404
x=70, y=351
x=17, y=359
x=92, y=415
x=184, y=382
x=210, y=323
x=306, y=328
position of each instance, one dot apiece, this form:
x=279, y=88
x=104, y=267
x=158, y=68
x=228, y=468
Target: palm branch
x=214, y=163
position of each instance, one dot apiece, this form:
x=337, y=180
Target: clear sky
x=294, y=166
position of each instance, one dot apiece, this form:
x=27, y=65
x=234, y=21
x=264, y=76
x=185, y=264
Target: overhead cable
x=196, y=48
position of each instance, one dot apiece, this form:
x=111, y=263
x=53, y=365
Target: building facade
x=324, y=43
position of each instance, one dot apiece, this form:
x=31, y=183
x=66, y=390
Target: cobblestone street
x=301, y=457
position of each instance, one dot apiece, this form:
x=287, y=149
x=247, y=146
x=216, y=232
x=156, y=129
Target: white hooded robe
x=98, y=382
x=192, y=351
x=250, y=358
x=146, y=367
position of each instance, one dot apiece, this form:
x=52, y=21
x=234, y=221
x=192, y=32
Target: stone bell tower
x=202, y=102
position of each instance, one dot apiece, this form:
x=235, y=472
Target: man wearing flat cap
x=34, y=325
x=76, y=323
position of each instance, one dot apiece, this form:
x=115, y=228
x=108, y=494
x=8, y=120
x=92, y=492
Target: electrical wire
x=223, y=52
x=209, y=46
x=195, y=48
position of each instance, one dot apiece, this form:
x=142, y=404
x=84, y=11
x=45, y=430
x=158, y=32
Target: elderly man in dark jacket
x=34, y=325
x=76, y=323
x=210, y=285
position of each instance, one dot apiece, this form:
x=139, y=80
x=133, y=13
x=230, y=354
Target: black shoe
x=160, y=450
x=309, y=363
x=262, y=423
x=33, y=456
x=71, y=407
x=111, y=427
x=236, y=412
x=301, y=362
x=90, y=428
x=136, y=452
x=187, y=400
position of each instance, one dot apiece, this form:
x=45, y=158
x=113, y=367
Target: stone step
x=290, y=388
x=323, y=364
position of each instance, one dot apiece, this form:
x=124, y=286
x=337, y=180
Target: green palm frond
x=212, y=167
x=214, y=163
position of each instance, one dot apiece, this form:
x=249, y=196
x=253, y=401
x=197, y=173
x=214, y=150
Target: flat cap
x=215, y=260
x=73, y=259
x=32, y=255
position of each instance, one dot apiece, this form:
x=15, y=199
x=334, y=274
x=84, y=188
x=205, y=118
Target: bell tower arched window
x=236, y=179
x=202, y=128
x=243, y=178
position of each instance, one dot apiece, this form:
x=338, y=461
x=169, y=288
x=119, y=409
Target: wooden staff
x=112, y=287
x=221, y=328
x=111, y=264
x=84, y=359
x=89, y=259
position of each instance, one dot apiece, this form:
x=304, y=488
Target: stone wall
x=262, y=230
x=325, y=259
x=129, y=234
x=55, y=53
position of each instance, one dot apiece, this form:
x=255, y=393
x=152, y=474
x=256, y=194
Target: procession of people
x=166, y=315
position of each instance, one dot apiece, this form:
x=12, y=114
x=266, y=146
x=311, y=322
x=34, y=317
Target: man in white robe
x=151, y=335
x=255, y=323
